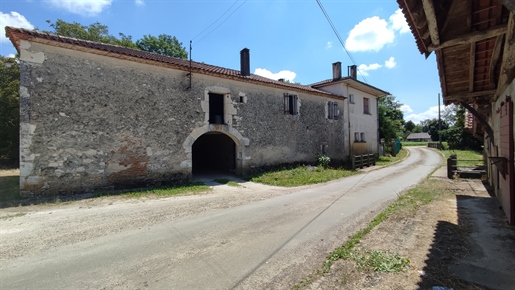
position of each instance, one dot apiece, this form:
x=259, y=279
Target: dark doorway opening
x=214, y=152
x=216, y=108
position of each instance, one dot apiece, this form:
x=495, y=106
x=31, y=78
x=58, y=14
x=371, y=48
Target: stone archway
x=213, y=152
x=214, y=132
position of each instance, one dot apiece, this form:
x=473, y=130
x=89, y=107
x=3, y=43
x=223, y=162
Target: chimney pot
x=337, y=70
x=245, y=62
x=281, y=80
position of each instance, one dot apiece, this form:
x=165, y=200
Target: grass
x=405, y=144
x=9, y=185
x=385, y=160
x=192, y=188
x=465, y=155
x=227, y=181
x=384, y=261
x=302, y=175
x=10, y=217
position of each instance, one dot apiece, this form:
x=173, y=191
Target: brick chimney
x=245, y=62
x=352, y=71
x=337, y=71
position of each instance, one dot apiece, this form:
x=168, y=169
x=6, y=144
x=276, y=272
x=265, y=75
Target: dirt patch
x=435, y=238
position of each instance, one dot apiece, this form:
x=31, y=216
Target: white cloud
x=406, y=109
x=14, y=19
x=284, y=74
x=371, y=34
x=11, y=55
x=363, y=68
x=398, y=22
x=329, y=45
x=390, y=63
x=430, y=113
x=82, y=7
x=140, y=2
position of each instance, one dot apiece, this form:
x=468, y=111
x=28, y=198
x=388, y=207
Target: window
x=359, y=137
x=216, y=108
x=332, y=111
x=291, y=104
x=366, y=109
x=351, y=98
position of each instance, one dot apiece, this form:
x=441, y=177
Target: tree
x=457, y=136
x=391, y=119
x=9, y=111
x=409, y=126
x=163, y=44
x=431, y=126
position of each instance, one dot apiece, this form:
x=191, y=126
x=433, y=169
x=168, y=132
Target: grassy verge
x=465, y=155
x=385, y=261
x=405, y=144
x=385, y=160
x=192, y=188
x=9, y=185
x=227, y=181
x=302, y=175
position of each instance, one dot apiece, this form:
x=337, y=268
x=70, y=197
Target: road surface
x=253, y=237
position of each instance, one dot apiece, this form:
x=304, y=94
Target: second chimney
x=352, y=71
x=337, y=71
x=245, y=62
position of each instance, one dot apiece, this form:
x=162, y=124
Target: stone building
x=97, y=116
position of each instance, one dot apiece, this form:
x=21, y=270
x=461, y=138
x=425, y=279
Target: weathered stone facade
x=91, y=121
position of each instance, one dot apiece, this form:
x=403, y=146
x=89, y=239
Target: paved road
x=264, y=244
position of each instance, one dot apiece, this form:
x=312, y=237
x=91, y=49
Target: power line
x=339, y=38
x=219, y=19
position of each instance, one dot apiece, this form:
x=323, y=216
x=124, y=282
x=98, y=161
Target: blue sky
x=287, y=38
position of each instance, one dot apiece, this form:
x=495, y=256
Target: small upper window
x=351, y=98
x=356, y=137
x=362, y=134
x=332, y=111
x=291, y=104
x=366, y=109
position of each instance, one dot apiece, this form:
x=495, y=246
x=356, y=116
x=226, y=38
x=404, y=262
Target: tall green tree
x=163, y=44
x=431, y=126
x=9, y=111
x=391, y=119
x=457, y=136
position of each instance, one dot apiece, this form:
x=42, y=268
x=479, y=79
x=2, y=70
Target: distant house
x=418, y=137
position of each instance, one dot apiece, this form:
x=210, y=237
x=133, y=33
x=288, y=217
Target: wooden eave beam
x=469, y=96
x=496, y=53
x=507, y=73
x=470, y=38
x=432, y=23
x=472, y=66
x=509, y=4
x=481, y=120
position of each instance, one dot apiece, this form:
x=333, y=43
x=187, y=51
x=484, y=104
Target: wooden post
x=451, y=165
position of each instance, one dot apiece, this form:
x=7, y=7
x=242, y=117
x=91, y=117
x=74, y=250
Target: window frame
x=291, y=104
x=366, y=106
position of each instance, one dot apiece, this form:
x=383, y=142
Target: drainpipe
x=348, y=122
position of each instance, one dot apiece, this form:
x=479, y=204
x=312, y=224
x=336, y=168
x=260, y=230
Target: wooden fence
x=359, y=161
x=465, y=168
x=436, y=145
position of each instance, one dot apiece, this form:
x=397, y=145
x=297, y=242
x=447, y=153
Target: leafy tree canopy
x=163, y=44
x=9, y=110
x=391, y=119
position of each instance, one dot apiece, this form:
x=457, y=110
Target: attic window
x=291, y=103
x=332, y=111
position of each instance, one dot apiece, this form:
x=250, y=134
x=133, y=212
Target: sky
x=289, y=39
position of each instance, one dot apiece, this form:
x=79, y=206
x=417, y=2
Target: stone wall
x=90, y=122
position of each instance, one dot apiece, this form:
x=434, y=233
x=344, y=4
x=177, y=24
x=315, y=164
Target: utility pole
x=439, y=123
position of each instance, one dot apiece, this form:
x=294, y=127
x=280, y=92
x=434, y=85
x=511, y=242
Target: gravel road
x=248, y=237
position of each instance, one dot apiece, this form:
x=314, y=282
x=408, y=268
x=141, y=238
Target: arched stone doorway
x=214, y=152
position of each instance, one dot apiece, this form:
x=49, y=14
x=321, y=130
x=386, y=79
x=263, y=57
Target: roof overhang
x=354, y=83
x=473, y=41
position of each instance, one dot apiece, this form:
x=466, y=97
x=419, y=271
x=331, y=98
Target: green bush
x=323, y=160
